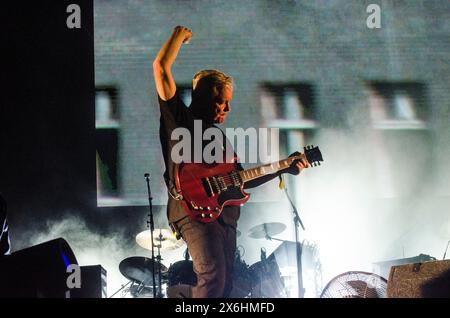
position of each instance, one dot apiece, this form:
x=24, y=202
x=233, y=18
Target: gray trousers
x=212, y=247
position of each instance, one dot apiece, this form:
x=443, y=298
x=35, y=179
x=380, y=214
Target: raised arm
x=162, y=73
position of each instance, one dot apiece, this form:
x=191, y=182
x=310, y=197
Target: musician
x=212, y=245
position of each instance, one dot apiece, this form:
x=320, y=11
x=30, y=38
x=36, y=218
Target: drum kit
x=262, y=279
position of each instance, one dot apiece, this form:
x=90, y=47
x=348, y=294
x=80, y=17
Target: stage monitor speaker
x=37, y=272
x=93, y=283
x=420, y=280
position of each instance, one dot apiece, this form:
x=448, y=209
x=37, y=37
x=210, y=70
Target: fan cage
x=356, y=284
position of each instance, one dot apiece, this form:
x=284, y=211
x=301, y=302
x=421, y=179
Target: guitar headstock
x=313, y=155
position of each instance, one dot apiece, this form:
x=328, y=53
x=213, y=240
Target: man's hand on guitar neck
x=297, y=165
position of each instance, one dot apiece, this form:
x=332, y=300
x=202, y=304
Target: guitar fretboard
x=254, y=173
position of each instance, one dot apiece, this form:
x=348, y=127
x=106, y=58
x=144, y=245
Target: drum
x=182, y=272
x=267, y=280
x=181, y=278
x=242, y=279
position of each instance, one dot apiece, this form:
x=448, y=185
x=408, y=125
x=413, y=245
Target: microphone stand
x=152, y=228
x=297, y=222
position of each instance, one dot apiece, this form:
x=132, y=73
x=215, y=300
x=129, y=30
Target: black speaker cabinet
x=93, y=283
x=37, y=272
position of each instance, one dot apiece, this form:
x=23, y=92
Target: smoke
x=89, y=246
x=372, y=200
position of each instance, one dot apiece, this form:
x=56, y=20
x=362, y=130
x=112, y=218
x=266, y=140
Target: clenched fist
x=183, y=32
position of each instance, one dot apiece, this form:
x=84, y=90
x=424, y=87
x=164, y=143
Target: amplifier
x=420, y=280
x=93, y=283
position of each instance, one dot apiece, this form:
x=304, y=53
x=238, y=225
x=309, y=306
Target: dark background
x=47, y=113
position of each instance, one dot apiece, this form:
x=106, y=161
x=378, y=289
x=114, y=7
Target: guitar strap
x=172, y=190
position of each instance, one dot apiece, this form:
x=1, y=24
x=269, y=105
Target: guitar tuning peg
x=318, y=163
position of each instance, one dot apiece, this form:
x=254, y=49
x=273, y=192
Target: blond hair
x=207, y=82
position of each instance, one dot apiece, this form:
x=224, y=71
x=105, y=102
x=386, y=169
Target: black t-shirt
x=174, y=114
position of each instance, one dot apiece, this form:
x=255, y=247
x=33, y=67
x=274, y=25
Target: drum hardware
x=151, y=226
x=139, y=271
x=266, y=279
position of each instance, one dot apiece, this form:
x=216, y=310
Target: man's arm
x=162, y=73
x=296, y=167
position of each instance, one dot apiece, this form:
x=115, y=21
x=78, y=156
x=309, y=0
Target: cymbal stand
x=151, y=225
x=268, y=237
x=123, y=286
x=158, y=258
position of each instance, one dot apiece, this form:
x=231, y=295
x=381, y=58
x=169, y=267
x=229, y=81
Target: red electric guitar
x=205, y=189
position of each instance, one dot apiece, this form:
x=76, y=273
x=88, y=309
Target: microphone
x=147, y=175
x=445, y=253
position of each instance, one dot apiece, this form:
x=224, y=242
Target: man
x=212, y=245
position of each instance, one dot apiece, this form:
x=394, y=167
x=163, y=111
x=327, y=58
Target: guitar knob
x=203, y=215
x=210, y=215
x=208, y=208
x=201, y=208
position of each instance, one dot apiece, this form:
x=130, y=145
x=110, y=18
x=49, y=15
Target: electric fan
x=355, y=285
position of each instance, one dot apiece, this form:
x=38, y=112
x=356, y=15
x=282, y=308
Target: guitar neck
x=260, y=171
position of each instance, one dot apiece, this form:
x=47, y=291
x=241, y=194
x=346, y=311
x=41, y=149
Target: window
x=401, y=141
x=397, y=105
x=291, y=108
x=107, y=141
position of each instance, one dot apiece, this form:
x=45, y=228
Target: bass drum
x=181, y=278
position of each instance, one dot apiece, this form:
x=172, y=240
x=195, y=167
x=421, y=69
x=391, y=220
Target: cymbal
x=266, y=229
x=162, y=239
x=139, y=269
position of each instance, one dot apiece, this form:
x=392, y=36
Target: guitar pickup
x=222, y=183
x=207, y=186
